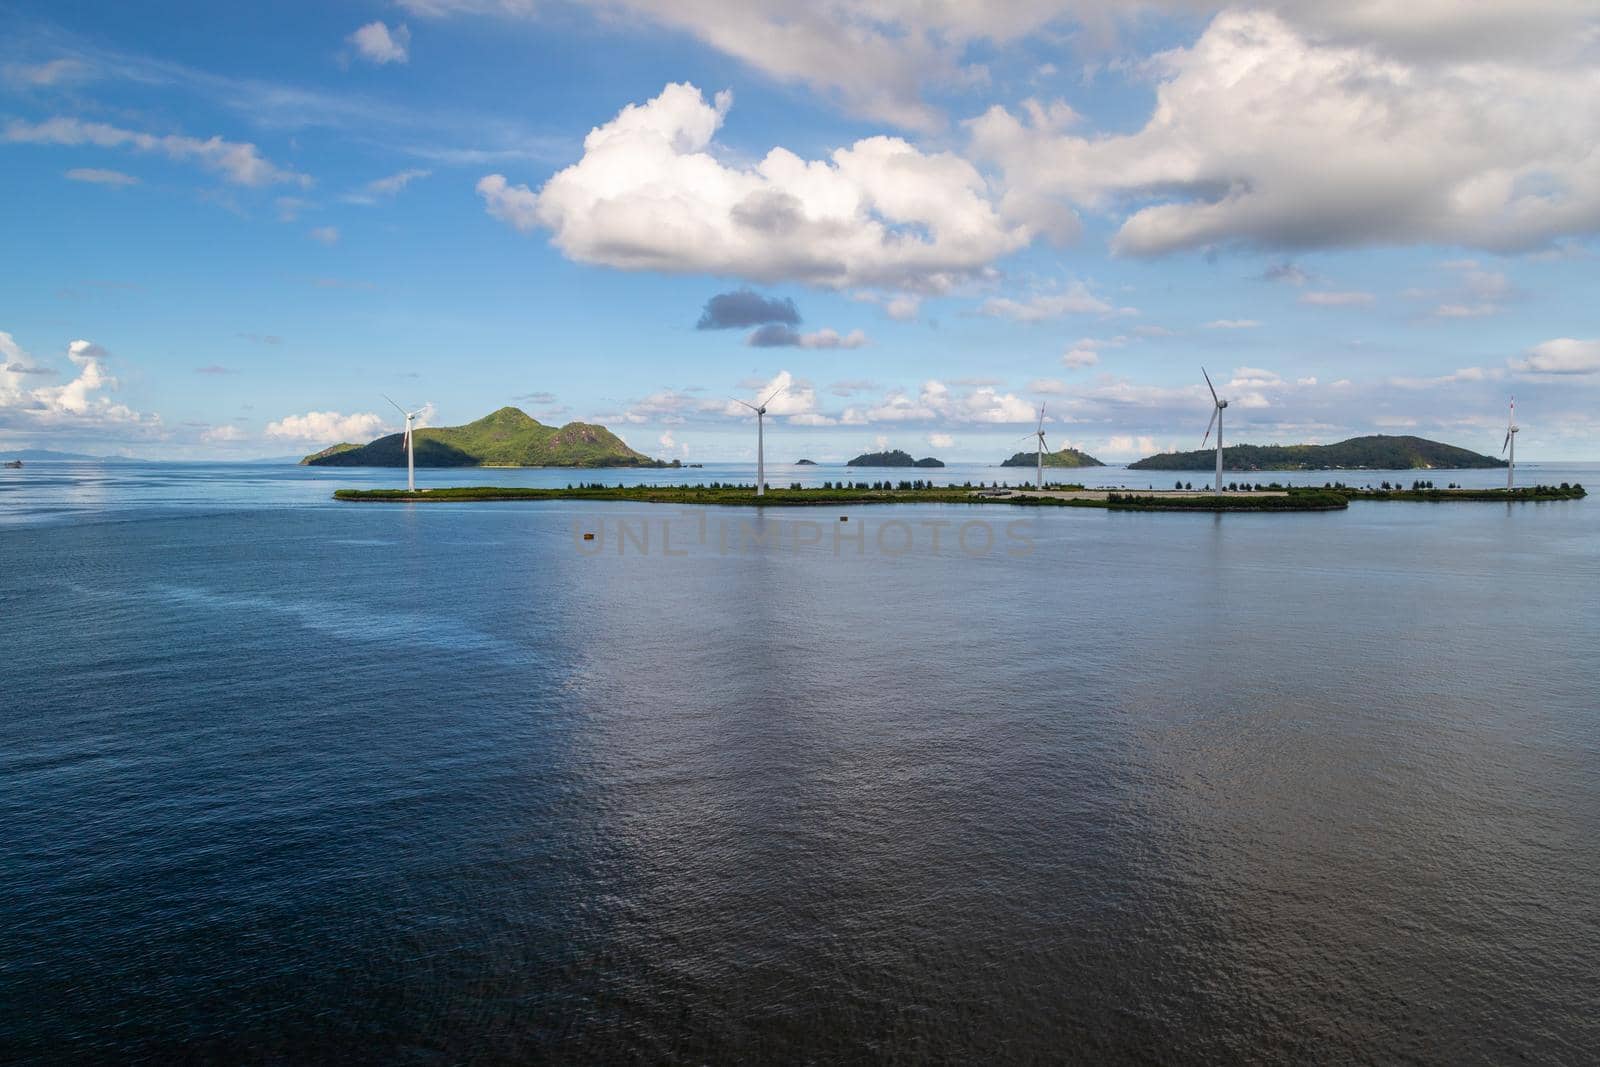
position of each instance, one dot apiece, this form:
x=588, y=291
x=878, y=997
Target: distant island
x=509, y=437
x=805, y=463
x=896, y=458
x=1375, y=452
x=48, y=454
x=1067, y=457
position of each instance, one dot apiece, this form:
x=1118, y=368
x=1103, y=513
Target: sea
x=290, y=780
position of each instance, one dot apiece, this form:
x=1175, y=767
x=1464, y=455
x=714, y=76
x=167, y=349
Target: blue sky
x=230, y=228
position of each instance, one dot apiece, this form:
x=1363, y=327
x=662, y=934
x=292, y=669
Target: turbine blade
x=775, y=392
x=1214, y=413
x=1506, y=444
x=390, y=399
x=746, y=403
x=1213, y=388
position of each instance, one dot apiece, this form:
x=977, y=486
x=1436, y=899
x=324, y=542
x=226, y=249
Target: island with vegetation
x=1375, y=452
x=1066, y=457
x=896, y=458
x=805, y=463
x=509, y=437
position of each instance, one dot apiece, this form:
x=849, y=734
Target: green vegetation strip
x=744, y=496
x=1563, y=491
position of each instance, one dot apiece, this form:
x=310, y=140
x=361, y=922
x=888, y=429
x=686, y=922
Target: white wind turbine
x=1216, y=420
x=1037, y=436
x=1511, y=443
x=411, y=457
x=761, y=455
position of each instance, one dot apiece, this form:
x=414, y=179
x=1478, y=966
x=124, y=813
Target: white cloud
x=941, y=440
x=326, y=427
x=1076, y=299
x=1047, y=386
x=1478, y=293
x=238, y=162
x=903, y=308
x=1374, y=127
x=779, y=335
x=223, y=434
x=790, y=396
x=41, y=75
x=936, y=402
x=1334, y=299
x=328, y=235
x=651, y=193
x=80, y=403
x=376, y=43
x=1562, y=356
x=1232, y=324
x=878, y=58
x=1122, y=446
x=96, y=176
x=1465, y=311
x=1085, y=351
x=383, y=188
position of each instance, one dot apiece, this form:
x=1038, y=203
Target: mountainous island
x=895, y=458
x=805, y=463
x=509, y=437
x=1067, y=457
x=1375, y=452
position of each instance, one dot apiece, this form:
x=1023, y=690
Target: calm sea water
x=282, y=779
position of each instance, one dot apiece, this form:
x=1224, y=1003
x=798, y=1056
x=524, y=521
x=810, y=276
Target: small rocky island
x=509, y=437
x=805, y=463
x=1067, y=457
x=896, y=458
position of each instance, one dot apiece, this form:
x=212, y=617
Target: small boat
x=14, y=464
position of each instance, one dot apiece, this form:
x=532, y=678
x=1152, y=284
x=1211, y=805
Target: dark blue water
x=288, y=780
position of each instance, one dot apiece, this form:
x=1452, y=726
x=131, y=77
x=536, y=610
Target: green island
x=1274, y=498
x=1066, y=457
x=895, y=458
x=1374, y=452
x=509, y=437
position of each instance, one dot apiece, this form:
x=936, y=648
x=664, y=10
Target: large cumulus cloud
x=1265, y=135
x=651, y=193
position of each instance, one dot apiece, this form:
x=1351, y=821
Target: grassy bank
x=1564, y=491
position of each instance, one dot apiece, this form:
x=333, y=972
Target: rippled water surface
x=282, y=779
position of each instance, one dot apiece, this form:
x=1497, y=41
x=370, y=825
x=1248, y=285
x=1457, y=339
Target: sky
x=231, y=230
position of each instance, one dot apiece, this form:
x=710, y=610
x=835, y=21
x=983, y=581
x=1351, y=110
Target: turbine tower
x=1511, y=444
x=761, y=455
x=411, y=457
x=1216, y=420
x=1039, y=433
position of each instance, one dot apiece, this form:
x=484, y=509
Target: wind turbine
x=1511, y=443
x=1216, y=420
x=411, y=456
x=1038, y=437
x=761, y=455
